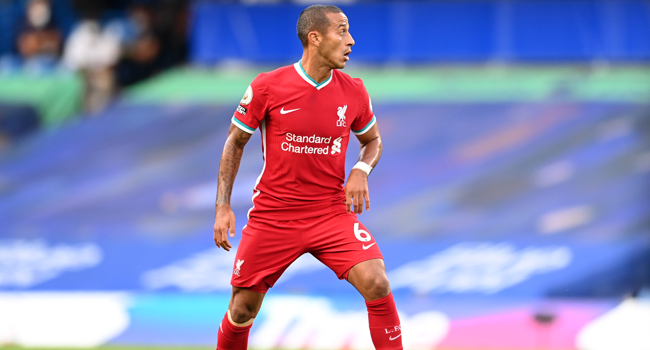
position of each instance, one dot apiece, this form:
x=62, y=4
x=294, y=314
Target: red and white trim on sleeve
x=238, y=123
x=367, y=127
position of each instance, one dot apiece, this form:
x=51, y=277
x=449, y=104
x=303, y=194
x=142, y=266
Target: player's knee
x=241, y=313
x=377, y=287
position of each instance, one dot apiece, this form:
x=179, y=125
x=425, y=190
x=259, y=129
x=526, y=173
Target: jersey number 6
x=361, y=235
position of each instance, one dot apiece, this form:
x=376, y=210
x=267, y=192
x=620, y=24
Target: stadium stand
x=560, y=174
x=505, y=201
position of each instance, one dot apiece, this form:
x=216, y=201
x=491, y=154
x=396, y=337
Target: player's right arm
x=247, y=118
x=224, y=221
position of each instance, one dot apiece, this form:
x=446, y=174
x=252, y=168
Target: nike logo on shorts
x=366, y=247
x=282, y=111
x=391, y=338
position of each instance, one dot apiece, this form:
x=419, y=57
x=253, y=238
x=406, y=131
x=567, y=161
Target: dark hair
x=314, y=17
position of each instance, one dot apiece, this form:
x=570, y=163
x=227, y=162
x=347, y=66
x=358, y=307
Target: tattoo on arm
x=229, y=165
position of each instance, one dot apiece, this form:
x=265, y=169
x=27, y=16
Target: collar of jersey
x=307, y=78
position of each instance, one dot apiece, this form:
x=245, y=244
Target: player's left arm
x=356, y=188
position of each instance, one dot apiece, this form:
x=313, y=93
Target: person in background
x=141, y=47
x=94, y=50
x=39, y=38
x=170, y=26
x=155, y=39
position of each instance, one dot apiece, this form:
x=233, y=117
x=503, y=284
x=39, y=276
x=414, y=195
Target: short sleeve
x=252, y=107
x=366, y=118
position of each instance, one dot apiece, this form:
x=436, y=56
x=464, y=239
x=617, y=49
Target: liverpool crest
x=341, y=114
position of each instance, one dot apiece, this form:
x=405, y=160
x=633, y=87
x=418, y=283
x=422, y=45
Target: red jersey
x=305, y=129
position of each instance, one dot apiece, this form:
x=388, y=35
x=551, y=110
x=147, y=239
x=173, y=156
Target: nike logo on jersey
x=393, y=338
x=282, y=111
x=366, y=247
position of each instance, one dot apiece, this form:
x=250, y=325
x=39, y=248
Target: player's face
x=337, y=43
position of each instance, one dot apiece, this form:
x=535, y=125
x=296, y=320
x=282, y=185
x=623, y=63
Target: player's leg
x=244, y=304
x=238, y=320
x=342, y=243
x=369, y=278
x=266, y=249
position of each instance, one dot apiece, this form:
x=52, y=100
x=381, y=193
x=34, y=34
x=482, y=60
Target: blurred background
x=512, y=202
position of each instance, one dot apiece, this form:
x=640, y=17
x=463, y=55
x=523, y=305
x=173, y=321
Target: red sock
x=232, y=337
x=385, y=328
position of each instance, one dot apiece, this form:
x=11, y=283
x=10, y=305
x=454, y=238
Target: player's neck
x=315, y=69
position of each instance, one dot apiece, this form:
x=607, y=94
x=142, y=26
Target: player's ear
x=314, y=37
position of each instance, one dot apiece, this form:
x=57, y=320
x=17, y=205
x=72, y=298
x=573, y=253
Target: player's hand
x=356, y=191
x=224, y=222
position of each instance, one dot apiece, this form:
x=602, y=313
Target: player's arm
x=356, y=189
x=228, y=167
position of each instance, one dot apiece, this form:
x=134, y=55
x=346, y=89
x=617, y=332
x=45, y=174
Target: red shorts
x=268, y=247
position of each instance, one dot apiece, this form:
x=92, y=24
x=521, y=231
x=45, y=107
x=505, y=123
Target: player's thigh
x=266, y=249
x=368, y=272
x=341, y=241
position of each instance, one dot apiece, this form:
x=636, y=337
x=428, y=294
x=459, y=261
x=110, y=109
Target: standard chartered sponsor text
x=308, y=139
x=289, y=146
